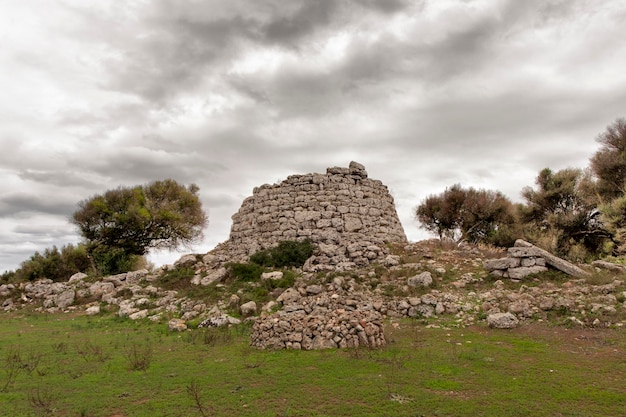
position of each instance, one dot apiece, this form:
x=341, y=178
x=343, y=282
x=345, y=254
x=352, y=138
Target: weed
x=42, y=401
x=32, y=361
x=139, y=357
x=59, y=347
x=91, y=352
x=212, y=336
x=195, y=393
x=12, y=367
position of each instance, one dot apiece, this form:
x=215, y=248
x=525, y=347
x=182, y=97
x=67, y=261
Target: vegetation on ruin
x=287, y=254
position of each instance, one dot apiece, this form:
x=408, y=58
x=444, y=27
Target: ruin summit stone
x=348, y=216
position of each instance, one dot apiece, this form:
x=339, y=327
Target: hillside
x=435, y=283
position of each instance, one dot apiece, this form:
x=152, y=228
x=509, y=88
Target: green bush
x=246, y=272
x=288, y=253
x=176, y=279
x=55, y=264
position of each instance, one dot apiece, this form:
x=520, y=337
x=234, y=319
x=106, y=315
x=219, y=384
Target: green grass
x=79, y=366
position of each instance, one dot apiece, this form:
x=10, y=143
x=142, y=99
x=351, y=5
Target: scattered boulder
x=176, y=325
x=65, y=299
x=79, y=276
x=425, y=279
x=502, y=321
x=248, y=309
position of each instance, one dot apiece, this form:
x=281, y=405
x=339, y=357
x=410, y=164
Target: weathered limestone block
x=502, y=263
x=502, y=321
x=248, y=309
x=424, y=279
x=524, y=271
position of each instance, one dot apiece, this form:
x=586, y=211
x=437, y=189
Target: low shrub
x=245, y=272
x=288, y=253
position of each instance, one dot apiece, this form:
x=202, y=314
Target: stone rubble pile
x=319, y=329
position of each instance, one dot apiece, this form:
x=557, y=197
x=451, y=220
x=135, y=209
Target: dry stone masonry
x=349, y=217
x=526, y=259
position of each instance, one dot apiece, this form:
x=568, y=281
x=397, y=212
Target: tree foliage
x=162, y=214
x=559, y=207
x=609, y=163
x=469, y=214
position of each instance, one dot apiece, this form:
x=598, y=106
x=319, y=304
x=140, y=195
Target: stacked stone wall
x=319, y=330
x=349, y=217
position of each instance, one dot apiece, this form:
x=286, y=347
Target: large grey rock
x=214, y=276
x=502, y=321
x=523, y=272
x=186, y=261
x=425, y=279
x=290, y=295
x=502, y=263
x=65, y=299
x=357, y=169
x=248, y=309
x=79, y=276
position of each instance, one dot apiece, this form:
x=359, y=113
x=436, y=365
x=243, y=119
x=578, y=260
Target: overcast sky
x=232, y=94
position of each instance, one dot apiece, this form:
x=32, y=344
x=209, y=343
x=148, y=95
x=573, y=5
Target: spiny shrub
x=288, y=253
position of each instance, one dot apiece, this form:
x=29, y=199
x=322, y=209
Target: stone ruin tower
x=348, y=216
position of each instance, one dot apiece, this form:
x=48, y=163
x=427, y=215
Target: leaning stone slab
x=554, y=261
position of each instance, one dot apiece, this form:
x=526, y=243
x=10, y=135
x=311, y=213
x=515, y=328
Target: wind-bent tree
x=130, y=221
x=469, y=214
x=609, y=163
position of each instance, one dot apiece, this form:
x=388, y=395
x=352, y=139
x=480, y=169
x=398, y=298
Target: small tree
x=127, y=222
x=469, y=214
x=609, y=163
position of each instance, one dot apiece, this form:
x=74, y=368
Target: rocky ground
x=438, y=284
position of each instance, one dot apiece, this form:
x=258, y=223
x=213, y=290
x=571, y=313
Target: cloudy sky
x=234, y=94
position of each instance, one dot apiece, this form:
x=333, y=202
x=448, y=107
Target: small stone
x=176, y=325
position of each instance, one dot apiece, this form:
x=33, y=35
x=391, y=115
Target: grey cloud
x=55, y=232
x=20, y=204
x=60, y=178
x=179, y=50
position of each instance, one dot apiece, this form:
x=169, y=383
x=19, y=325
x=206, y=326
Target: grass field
x=61, y=365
